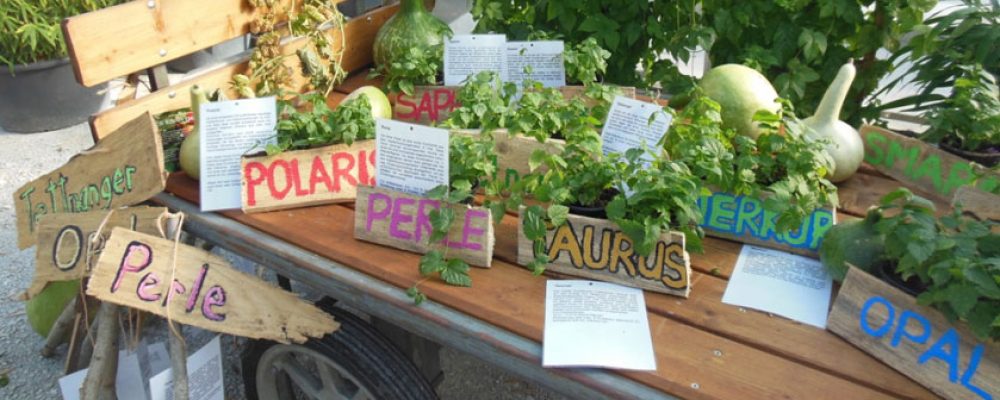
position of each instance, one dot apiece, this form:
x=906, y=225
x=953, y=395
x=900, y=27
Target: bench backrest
x=142, y=35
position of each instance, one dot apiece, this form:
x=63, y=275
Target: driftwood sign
x=64, y=239
x=983, y=205
x=124, y=168
x=401, y=220
x=916, y=163
x=323, y=175
x=915, y=340
x=744, y=219
x=597, y=249
x=201, y=289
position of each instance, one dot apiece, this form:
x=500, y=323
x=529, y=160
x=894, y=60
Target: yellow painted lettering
x=565, y=240
x=602, y=252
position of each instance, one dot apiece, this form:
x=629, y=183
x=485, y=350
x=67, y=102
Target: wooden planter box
x=400, y=220
x=597, y=249
x=744, y=219
x=920, y=165
x=324, y=175
x=433, y=104
x=915, y=340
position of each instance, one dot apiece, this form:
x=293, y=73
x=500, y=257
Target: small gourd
x=845, y=146
x=190, y=154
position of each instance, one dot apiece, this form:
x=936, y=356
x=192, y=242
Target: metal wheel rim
x=288, y=371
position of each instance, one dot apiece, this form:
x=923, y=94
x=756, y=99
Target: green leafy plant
x=420, y=67
x=800, y=55
x=957, y=258
x=30, y=29
x=970, y=118
x=320, y=125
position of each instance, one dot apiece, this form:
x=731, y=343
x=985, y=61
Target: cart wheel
x=355, y=362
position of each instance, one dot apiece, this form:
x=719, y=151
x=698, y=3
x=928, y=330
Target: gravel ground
x=24, y=157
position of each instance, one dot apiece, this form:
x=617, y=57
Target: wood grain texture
x=63, y=241
x=890, y=326
x=324, y=175
x=135, y=270
x=123, y=169
x=597, y=249
x=359, y=35
x=920, y=165
x=400, y=220
x=511, y=298
x=979, y=203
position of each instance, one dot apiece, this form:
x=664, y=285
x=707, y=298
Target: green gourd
x=190, y=155
x=845, y=146
x=412, y=26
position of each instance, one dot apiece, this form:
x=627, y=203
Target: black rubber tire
x=359, y=349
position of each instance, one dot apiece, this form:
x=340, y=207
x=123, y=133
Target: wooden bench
x=704, y=349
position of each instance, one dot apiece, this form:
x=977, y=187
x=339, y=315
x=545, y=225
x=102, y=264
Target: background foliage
x=30, y=29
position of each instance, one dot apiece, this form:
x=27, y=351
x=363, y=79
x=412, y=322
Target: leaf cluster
x=420, y=66
x=970, y=118
x=320, y=125
x=30, y=29
x=956, y=257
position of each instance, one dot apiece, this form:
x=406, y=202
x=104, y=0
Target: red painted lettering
x=404, y=103
x=342, y=171
x=252, y=181
x=427, y=106
x=271, y=184
x=319, y=175
x=296, y=180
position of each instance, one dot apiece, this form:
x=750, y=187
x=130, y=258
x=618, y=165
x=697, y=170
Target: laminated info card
x=785, y=284
x=230, y=129
x=596, y=324
x=540, y=61
x=466, y=55
x=631, y=123
x=410, y=158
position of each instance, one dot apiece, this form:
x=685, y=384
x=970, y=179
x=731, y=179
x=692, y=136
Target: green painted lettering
x=874, y=142
x=129, y=170
x=119, y=181
x=960, y=175
x=750, y=208
x=822, y=222
x=898, y=152
x=931, y=168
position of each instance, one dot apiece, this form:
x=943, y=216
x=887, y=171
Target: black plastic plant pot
x=45, y=96
x=588, y=211
x=887, y=273
x=987, y=159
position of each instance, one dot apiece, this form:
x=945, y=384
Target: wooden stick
x=87, y=347
x=100, y=381
x=76, y=340
x=178, y=349
x=61, y=328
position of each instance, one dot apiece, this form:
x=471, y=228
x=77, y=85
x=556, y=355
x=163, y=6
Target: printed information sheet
x=466, y=55
x=204, y=369
x=785, y=284
x=410, y=158
x=230, y=129
x=629, y=126
x=134, y=370
x=596, y=324
x=544, y=59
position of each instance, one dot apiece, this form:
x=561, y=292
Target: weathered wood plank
x=981, y=204
x=597, y=249
x=64, y=239
x=920, y=165
x=324, y=175
x=195, y=287
x=123, y=169
x=360, y=34
x=915, y=340
x=401, y=220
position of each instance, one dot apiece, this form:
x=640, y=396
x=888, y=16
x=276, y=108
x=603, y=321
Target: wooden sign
x=983, y=205
x=514, y=151
x=401, y=220
x=200, y=289
x=122, y=169
x=921, y=165
x=63, y=241
x=915, y=340
x=301, y=178
x=744, y=219
x=597, y=249
x=435, y=103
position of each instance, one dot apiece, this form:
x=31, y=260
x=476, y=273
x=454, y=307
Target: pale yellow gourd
x=190, y=155
x=845, y=146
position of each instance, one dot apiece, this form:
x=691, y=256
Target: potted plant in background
x=37, y=89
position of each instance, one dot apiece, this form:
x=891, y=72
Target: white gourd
x=845, y=147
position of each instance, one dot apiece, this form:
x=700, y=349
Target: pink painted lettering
x=137, y=257
x=374, y=215
x=215, y=297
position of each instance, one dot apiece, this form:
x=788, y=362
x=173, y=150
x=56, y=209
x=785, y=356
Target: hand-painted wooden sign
x=916, y=163
x=915, y=340
x=597, y=249
x=201, y=289
x=401, y=220
x=322, y=175
x=514, y=151
x=124, y=168
x=64, y=240
x=744, y=219
x=983, y=205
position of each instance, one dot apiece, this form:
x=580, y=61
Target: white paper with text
x=132, y=373
x=204, y=369
x=228, y=130
x=628, y=126
x=785, y=284
x=410, y=158
x=596, y=324
x=540, y=61
x=466, y=55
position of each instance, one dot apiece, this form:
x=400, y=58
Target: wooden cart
x=704, y=349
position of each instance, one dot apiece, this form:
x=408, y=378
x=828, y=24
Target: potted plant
x=948, y=263
x=38, y=91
